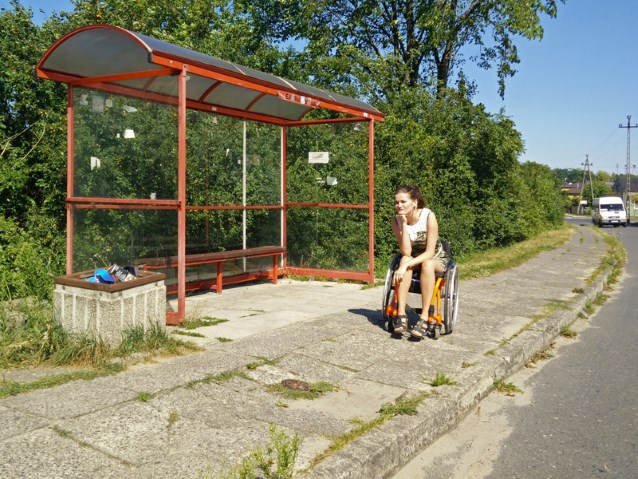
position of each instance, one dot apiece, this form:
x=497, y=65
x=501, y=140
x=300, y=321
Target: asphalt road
x=577, y=416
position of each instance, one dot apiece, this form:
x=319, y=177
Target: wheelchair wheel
x=388, y=293
x=451, y=295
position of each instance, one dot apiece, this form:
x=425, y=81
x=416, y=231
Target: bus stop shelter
x=175, y=153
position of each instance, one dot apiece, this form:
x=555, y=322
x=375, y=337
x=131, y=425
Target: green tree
x=388, y=45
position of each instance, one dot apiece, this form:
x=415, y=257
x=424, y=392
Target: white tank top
x=418, y=231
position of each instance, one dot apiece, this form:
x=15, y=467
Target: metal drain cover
x=296, y=384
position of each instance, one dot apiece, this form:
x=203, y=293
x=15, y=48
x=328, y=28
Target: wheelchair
x=444, y=304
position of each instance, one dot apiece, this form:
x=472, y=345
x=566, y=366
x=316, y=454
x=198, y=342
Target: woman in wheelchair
x=417, y=233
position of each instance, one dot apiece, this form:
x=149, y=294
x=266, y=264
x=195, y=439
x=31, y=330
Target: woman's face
x=403, y=204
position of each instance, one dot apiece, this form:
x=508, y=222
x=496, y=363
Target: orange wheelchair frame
x=443, y=304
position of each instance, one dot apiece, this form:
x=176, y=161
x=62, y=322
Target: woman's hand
x=400, y=272
x=402, y=220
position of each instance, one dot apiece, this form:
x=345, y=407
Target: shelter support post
x=371, y=201
x=69, y=179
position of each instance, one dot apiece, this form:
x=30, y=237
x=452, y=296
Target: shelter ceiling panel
x=231, y=96
x=110, y=53
x=270, y=105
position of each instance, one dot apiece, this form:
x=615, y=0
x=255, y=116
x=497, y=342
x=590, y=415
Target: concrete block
x=107, y=310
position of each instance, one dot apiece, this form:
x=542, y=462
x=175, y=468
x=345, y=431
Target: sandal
x=421, y=329
x=401, y=324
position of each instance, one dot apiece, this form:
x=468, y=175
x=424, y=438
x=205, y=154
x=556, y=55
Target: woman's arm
x=399, y=228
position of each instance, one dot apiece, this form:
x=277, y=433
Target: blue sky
x=571, y=91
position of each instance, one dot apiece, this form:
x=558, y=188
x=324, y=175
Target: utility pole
x=628, y=168
x=586, y=170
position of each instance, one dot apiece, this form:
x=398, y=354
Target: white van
x=608, y=210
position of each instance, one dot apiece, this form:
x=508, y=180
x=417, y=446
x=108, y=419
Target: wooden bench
x=218, y=258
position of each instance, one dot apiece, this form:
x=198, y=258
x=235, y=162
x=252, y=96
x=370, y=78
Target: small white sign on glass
x=318, y=157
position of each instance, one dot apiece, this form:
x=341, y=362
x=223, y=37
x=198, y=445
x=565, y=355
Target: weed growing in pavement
x=194, y=323
x=465, y=364
x=589, y=309
x=541, y=355
x=615, y=257
x=509, y=388
x=10, y=388
x=221, y=339
x=144, y=396
x=578, y=290
x=173, y=417
x=401, y=406
x=600, y=299
x=491, y=352
x=316, y=390
x=274, y=461
x=567, y=332
x=218, y=378
x=442, y=380
x=189, y=333
x=261, y=362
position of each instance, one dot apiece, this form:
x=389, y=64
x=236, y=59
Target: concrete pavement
x=194, y=416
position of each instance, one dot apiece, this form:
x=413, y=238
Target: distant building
x=620, y=185
x=571, y=189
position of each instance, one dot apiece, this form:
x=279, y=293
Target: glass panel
x=124, y=147
x=263, y=157
x=103, y=237
x=215, y=154
x=210, y=231
x=215, y=151
x=328, y=238
x=343, y=179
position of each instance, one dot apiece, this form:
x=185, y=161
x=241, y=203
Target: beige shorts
x=439, y=256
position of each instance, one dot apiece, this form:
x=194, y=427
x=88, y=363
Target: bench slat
x=201, y=258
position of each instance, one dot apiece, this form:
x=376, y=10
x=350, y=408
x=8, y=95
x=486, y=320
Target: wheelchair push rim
x=451, y=302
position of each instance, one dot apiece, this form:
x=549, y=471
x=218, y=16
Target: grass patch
x=487, y=263
x=508, y=388
x=222, y=339
x=589, y=309
x=218, y=378
x=316, y=390
x=615, y=258
x=600, y=299
x=466, y=365
x=144, y=396
x=189, y=333
x=59, y=348
x=204, y=321
x=578, y=290
x=262, y=361
x=12, y=388
x=567, y=332
x=491, y=352
x=441, y=379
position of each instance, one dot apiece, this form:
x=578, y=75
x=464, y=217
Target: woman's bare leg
x=428, y=280
x=404, y=288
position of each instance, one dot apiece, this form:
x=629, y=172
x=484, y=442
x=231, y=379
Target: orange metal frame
x=391, y=308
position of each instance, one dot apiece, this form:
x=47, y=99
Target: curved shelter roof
x=114, y=59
